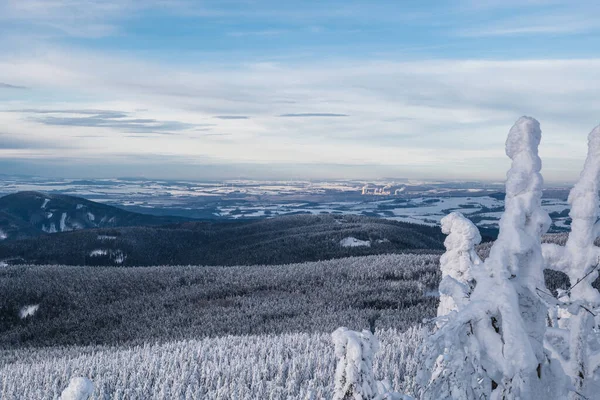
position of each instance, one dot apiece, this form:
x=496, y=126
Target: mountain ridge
x=30, y=213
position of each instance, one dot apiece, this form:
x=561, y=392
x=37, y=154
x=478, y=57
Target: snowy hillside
x=31, y=214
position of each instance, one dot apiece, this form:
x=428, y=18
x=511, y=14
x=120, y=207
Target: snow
x=458, y=262
x=354, y=378
x=106, y=237
x=354, y=242
x=28, y=311
x=63, y=219
x=579, y=259
x=79, y=389
x=91, y=216
x=116, y=255
x=3, y=235
x=492, y=346
x=79, y=206
x=46, y=201
x=50, y=229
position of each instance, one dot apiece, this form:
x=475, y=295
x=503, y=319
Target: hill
x=280, y=240
x=30, y=214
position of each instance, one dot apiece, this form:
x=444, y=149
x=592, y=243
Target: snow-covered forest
x=291, y=366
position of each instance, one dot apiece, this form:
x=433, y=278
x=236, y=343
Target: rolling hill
x=30, y=214
x=280, y=240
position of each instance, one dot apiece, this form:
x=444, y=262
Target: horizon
x=365, y=182
x=328, y=90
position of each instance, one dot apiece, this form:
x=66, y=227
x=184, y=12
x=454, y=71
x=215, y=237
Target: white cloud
x=437, y=115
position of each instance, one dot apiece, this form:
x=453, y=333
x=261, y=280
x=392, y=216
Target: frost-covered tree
x=573, y=339
x=492, y=347
x=354, y=378
x=457, y=262
x=79, y=389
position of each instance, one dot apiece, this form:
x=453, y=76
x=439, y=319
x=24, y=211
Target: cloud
x=307, y=115
x=9, y=86
x=444, y=116
x=118, y=120
x=553, y=26
x=12, y=142
x=533, y=17
x=109, y=114
x=225, y=117
x=267, y=32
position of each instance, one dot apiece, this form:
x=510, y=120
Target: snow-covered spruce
x=572, y=338
x=458, y=261
x=493, y=347
x=354, y=377
x=79, y=389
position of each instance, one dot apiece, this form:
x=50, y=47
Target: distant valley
x=421, y=202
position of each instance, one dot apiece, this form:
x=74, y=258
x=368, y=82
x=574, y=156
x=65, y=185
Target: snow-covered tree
x=458, y=261
x=79, y=389
x=492, y=347
x=573, y=338
x=354, y=378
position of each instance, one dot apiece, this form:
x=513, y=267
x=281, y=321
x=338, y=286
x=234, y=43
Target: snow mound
x=106, y=237
x=79, y=389
x=28, y=311
x=46, y=201
x=354, y=242
x=117, y=256
x=3, y=235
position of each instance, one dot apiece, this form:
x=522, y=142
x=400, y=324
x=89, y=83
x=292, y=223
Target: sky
x=271, y=89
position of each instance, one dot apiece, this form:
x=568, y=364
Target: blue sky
x=294, y=89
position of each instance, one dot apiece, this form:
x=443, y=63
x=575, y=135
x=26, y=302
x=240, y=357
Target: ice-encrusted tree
x=354, y=377
x=457, y=262
x=492, y=348
x=573, y=338
x=79, y=389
